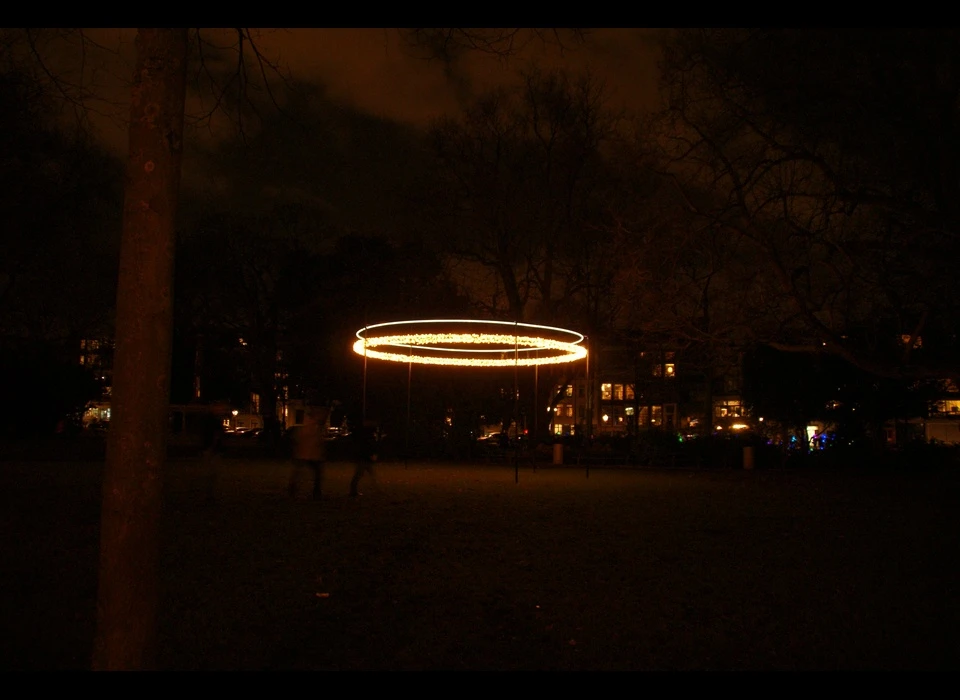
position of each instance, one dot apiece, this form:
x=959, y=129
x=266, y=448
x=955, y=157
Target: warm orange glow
x=470, y=343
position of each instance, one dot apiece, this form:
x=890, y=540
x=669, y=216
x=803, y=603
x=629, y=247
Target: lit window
x=569, y=390
x=628, y=392
x=558, y=429
x=628, y=410
x=606, y=390
x=618, y=392
x=569, y=412
x=730, y=408
x=670, y=370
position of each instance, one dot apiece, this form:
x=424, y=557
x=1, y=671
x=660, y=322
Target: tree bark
x=127, y=598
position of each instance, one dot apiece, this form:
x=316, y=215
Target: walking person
x=365, y=447
x=310, y=450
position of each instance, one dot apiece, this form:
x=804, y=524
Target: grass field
x=459, y=567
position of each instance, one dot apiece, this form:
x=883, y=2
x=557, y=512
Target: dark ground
x=456, y=567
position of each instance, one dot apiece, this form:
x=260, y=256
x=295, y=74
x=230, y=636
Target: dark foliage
x=44, y=385
x=796, y=388
x=60, y=195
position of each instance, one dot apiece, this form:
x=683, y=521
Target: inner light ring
x=457, y=347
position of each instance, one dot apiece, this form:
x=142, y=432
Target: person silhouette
x=310, y=449
x=365, y=439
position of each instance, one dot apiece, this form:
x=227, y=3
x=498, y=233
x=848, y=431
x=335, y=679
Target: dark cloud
x=372, y=70
x=352, y=170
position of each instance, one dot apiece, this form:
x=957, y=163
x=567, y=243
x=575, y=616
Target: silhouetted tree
x=45, y=385
x=127, y=598
x=60, y=195
x=520, y=203
x=794, y=389
x=831, y=152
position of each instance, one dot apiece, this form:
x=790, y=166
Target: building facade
x=630, y=392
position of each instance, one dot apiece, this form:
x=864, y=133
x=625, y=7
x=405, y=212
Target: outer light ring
x=457, y=346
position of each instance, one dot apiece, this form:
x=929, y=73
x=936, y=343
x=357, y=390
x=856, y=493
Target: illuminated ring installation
x=469, y=343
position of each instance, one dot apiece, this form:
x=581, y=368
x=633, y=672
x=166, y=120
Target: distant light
x=760, y=419
x=605, y=417
x=739, y=426
x=234, y=411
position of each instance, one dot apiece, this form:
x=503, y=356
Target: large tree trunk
x=132, y=487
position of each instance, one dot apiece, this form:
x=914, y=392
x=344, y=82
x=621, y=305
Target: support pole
x=589, y=403
x=363, y=411
x=409, y=377
x=536, y=399
x=516, y=401
x=536, y=410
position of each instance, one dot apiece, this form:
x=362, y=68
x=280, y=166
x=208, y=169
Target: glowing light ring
x=460, y=348
x=577, y=337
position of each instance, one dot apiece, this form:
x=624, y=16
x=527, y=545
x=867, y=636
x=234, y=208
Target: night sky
x=372, y=71
x=363, y=79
